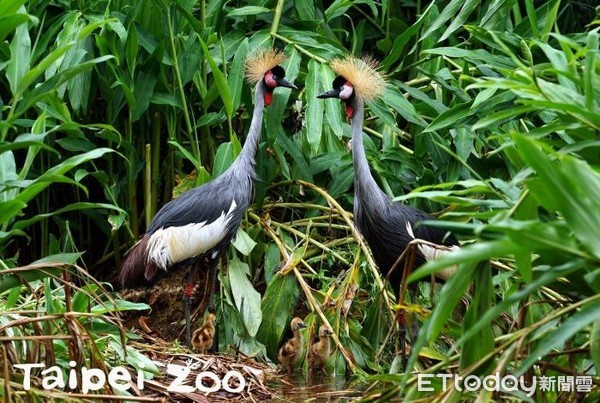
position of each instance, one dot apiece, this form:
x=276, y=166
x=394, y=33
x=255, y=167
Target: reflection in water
x=317, y=388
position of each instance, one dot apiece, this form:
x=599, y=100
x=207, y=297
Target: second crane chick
x=290, y=351
x=321, y=350
x=202, y=338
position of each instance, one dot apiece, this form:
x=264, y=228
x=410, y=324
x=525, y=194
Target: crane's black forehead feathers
x=278, y=71
x=339, y=82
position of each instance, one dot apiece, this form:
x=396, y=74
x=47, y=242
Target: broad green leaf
x=277, y=306
x=332, y=105
x=142, y=92
x=8, y=173
x=80, y=206
x=220, y=79
x=45, y=180
x=243, y=242
x=8, y=23
x=20, y=51
x=247, y=299
x=247, y=10
x=451, y=118
x=448, y=12
x=467, y=8
x=223, y=159
x=235, y=79
x=118, y=306
x=314, y=107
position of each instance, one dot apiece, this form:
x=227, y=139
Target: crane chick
x=320, y=352
x=202, y=338
x=290, y=351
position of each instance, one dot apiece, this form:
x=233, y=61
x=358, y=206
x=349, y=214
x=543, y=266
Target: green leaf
x=247, y=10
x=448, y=12
x=220, y=79
x=291, y=148
x=278, y=307
x=142, y=92
x=223, y=159
x=8, y=173
x=20, y=51
x=595, y=344
x=467, y=8
x=22, y=224
x=8, y=23
x=332, y=105
x=48, y=177
x=570, y=186
x=243, y=243
x=235, y=79
x=589, y=313
x=451, y=118
x=118, y=306
x=314, y=107
x=247, y=299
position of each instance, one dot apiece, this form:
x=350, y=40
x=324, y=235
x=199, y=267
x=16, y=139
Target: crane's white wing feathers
x=430, y=253
x=177, y=243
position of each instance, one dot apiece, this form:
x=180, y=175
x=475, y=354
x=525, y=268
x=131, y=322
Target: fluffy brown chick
x=321, y=350
x=290, y=351
x=202, y=338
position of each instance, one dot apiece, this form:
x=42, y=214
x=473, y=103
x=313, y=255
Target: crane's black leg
x=414, y=328
x=188, y=296
x=217, y=265
x=401, y=346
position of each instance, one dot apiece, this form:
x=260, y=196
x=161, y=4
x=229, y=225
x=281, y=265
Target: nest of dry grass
x=255, y=374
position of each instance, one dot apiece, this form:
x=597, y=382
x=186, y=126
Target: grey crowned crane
x=388, y=226
x=199, y=224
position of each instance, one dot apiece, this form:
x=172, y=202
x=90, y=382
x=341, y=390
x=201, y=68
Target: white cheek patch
x=346, y=91
x=175, y=244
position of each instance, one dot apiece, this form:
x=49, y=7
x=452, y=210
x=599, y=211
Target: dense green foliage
x=491, y=121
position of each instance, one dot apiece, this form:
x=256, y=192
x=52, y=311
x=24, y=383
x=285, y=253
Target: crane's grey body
x=201, y=222
x=387, y=226
x=224, y=201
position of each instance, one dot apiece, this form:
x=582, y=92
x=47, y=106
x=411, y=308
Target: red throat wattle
x=349, y=111
x=268, y=98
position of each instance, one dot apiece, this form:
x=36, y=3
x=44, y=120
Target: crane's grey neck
x=365, y=187
x=245, y=162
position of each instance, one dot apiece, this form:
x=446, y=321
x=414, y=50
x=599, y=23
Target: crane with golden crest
x=199, y=224
x=388, y=226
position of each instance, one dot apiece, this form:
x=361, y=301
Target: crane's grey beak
x=282, y=82
x=301, y=325
x=330, y=94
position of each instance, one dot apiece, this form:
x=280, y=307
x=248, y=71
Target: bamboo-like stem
x=277, y=16
x=156, y=163
x=186, y=115
x=148, y=185
x=131, y=184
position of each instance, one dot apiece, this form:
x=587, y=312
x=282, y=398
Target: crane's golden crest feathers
x=363, y=73
x=261, y=61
